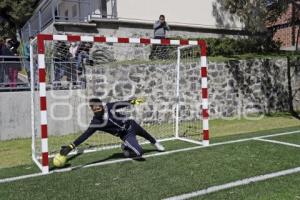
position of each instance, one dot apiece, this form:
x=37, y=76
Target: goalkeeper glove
x=137, y=101
x=65, y=150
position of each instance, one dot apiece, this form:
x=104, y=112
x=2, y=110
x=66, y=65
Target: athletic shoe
x=159, y=146
x=123, y=146
x=126, y=153
x=125, y=150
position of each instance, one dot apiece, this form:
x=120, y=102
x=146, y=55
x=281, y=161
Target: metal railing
x=65, y=74
x=13, y=73
x=51, y=11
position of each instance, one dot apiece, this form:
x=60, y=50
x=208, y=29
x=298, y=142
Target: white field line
x=189, y=140
x=6, y=180
x=278, y=142
x=235, y=184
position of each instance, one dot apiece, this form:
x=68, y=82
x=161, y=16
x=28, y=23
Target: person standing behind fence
x=12, y=64
x=160, y=27
x=2, y=69
x=26, y=52
x=73, y=50
x=83, y=53
x=61, y=61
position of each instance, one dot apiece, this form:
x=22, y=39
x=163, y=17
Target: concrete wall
x=123, y=28
x=63, y=109
x=177, y=12
x=15, y=119
x=203, y=19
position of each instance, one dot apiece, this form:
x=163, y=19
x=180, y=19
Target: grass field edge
x=12, y=179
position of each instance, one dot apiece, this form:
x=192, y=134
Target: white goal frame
x=181, y=43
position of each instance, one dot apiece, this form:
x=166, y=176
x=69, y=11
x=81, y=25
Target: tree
x=14, y=14
x=295, y=21
x=254, y=14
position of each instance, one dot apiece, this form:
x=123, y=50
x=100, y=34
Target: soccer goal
x=171, y=75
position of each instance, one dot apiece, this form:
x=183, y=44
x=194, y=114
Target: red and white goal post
x=170, y=74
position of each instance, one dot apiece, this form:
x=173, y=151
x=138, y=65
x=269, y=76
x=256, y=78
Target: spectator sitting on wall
x=12, y=64
x=160, y=27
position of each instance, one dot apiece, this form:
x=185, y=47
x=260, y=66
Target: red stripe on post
x=40, y=42
x=203, y=45
x=184, y=42
x=203, y=72
x=42, y=75
x=74, y=38
x=45, y=159
x=165, y=41
x=123, y=40
x=40, y=46
x=99, y=39
x=145, y=41
x=44, y=131
x=205, y=134
x=43, y=103
x=205, y=113
x=204, y=93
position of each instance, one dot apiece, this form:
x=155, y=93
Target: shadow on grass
x=74, y=156
x=295, y=115
x=114, y=156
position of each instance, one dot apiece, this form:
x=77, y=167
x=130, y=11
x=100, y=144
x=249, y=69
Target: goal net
x=171, y=75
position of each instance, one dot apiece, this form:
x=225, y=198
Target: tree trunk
x=297, y=39
x=290, y=90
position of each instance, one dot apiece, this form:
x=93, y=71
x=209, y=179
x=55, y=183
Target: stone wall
x=235, y=87
x=239, y=87
x=155, y=82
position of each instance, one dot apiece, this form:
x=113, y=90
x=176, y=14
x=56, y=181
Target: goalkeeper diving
x=107, y=119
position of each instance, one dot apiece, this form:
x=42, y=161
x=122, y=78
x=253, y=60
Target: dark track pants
x=130, y=140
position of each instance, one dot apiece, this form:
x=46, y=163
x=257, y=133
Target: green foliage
x=229, y=46
x=13, y=15
x=254, y=14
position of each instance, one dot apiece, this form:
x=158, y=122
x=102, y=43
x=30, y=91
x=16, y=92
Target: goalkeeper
x=108, y=119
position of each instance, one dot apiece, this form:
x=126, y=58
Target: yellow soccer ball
x=59, y=160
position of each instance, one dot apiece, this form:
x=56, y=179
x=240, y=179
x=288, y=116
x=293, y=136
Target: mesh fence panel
x=35, y=103
x=189, y=119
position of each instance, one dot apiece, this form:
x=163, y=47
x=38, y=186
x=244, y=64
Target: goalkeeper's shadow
x=74, y=156
x=114, y=156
